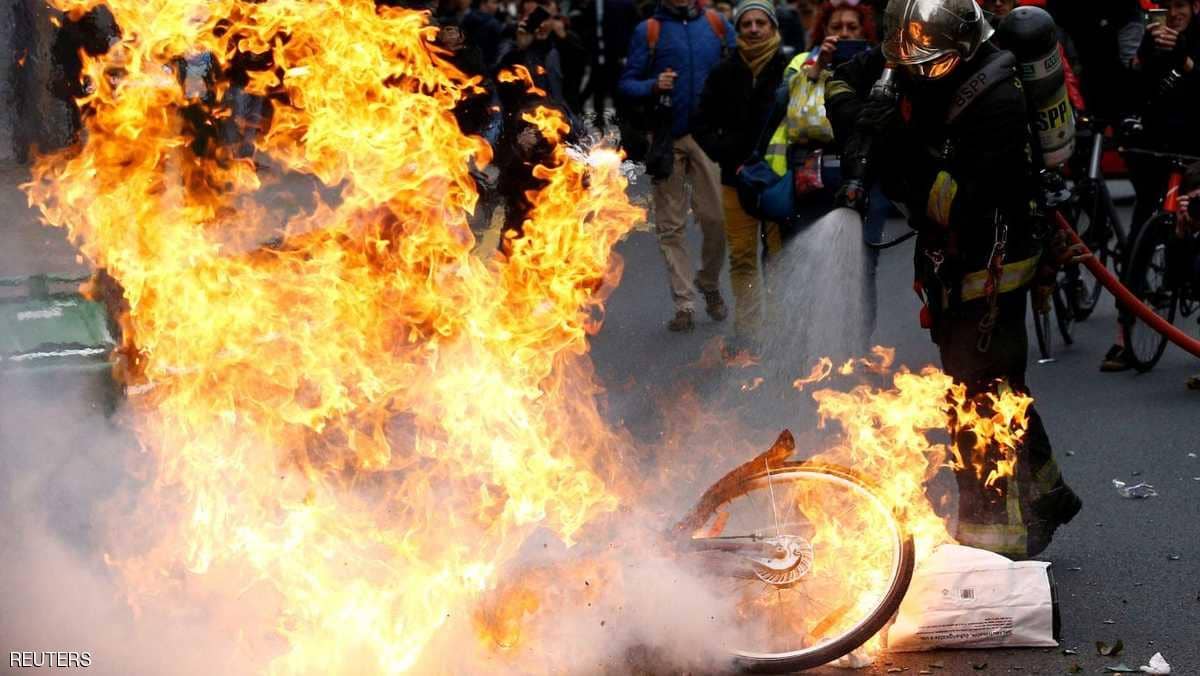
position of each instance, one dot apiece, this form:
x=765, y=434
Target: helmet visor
x=939, y=68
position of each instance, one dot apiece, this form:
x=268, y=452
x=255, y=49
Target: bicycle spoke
x=840, y=519
x=771, y=494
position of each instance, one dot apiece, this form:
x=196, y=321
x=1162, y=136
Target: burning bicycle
x=804, y=561
x=780, y=535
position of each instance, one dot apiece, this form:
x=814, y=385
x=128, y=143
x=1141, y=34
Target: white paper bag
x=962, y=597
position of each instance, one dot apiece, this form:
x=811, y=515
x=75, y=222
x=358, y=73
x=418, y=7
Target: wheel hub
x=787, y=559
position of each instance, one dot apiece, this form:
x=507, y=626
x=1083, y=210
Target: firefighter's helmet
x=931, y=37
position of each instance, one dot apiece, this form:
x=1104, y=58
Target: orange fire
x=894, y=438
x=359, y=425
x=361, y=422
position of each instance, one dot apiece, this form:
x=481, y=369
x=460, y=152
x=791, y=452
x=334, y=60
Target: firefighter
x=948, y=137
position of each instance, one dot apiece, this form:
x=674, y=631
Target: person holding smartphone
x=837, y=23
x=1168, y=28
x=1168, y=85
x=841, y=32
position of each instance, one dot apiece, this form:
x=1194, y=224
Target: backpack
x=633, y=123
x=654, y=26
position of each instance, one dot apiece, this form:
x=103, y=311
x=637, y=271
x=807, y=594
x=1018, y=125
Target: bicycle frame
x=1096, y=184
x=1174, y=183
x=1170, y=203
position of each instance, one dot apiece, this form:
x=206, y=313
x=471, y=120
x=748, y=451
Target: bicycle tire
x=1090, y=223
x=1041, y=329
x=861, y=632
x=1146, y=277
x=1063, y=314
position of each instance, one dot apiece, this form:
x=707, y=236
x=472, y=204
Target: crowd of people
x=860, y=104
x=912, y=104
x=740, y=93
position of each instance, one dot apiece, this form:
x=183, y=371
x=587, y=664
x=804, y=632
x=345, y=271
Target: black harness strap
x=1000, y=67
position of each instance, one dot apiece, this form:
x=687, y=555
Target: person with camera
x=938, y=131
x=670, y=57
x=1168, y=83
x=843, y=30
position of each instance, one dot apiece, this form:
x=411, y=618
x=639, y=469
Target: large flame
x=365, y=417
x=894, y=435
x=362, y=421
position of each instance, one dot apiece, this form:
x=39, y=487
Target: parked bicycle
x=1093, y=214
x=1089, y=207
x=1056, y=316
x=1163, y=269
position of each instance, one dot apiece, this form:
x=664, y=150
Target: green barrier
x=56, y=338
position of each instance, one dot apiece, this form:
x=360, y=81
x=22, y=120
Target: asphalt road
x=1126, y=569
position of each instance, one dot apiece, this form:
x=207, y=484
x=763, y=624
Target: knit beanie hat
x=764, y=5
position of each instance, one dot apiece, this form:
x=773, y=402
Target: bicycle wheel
x=1146, y=278
x=1064, y=316
x=839, y=567
x=1091, y=222
x=1042, y=329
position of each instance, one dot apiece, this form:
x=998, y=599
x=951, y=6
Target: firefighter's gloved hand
x=877, y=116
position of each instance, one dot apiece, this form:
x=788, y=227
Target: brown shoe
x=1193, y=383
x=682, y=321
x=715, y=305
x=1115, y=360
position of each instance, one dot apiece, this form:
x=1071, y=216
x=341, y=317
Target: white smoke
x=64, y=481
x=70, y=476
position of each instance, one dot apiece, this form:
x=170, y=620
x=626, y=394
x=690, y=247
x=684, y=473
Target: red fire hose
x=1126, y=298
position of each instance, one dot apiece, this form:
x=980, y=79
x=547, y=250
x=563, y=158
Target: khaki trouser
x=745, y=273
x=670, y=208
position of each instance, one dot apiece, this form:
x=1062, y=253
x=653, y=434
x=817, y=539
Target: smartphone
x=1156, y=17
x=848, y=49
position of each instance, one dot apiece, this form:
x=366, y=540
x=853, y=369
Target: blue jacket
x=689, y=47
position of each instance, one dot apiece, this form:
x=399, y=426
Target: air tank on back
x=1030, y=34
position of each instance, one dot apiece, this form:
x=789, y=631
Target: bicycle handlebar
x=1176, y=157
